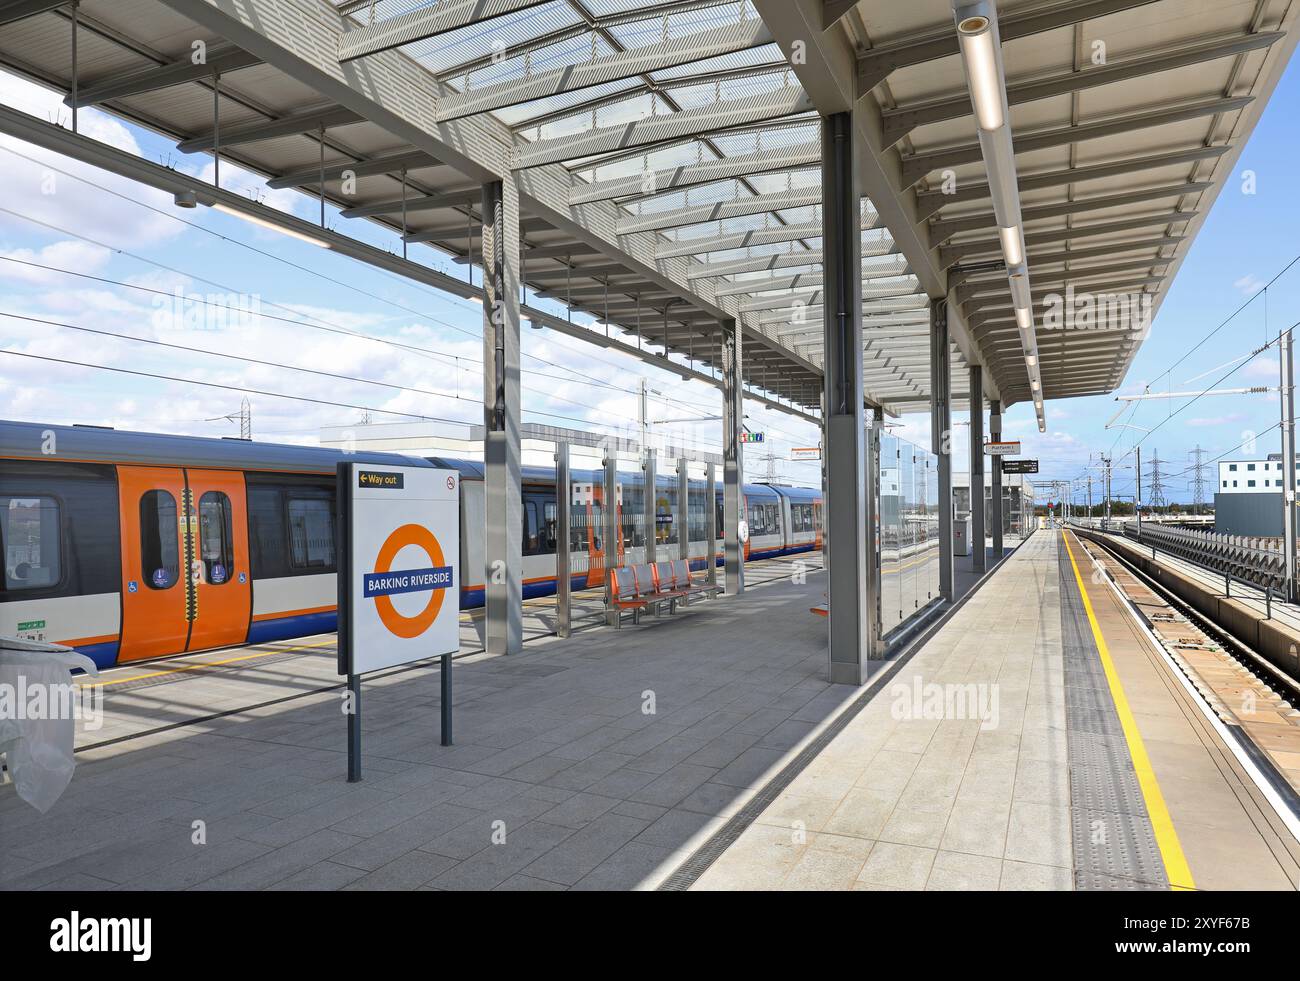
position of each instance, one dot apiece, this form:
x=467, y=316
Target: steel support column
x=563, y=524
x=1288, y=462
x=711, y=508
x=733, y=462
x=683, y=510
x=978, y=563
x=503, y=626
x=851, y=590
x=610, y=530
x=648, y=508
x=941, y=437
x=995, y=495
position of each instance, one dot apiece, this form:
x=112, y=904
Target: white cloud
x=66, y=254
x=1248, y=284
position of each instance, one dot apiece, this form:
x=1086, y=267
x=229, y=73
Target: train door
x=154, y=588
x=186, y=584
x=219, y=573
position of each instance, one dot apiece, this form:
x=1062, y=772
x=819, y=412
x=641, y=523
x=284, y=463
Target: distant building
x=1253, y=476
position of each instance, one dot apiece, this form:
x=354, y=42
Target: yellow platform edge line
x=181, y=669
x=1171, y=850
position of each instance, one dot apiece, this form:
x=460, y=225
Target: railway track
x=1258, y=703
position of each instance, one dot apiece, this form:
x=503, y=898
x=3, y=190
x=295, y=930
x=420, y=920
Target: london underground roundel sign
x=399, y=590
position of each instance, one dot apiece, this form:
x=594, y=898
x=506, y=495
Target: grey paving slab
x=552, y=745
x=925, y=787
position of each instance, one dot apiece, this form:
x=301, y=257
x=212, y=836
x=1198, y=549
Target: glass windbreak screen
x=909, y=530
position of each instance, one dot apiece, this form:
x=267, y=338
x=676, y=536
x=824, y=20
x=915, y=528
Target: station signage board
x=399, y=598
x=806, y=453
x=398, y=593
x=1002, y=449
x=1020, y=466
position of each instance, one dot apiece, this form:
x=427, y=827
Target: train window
x=773, y=519
x=159, y=551
x=29, y=532
x=551, y=520
x=216, y=538
x=530, y=528
x=311, y=533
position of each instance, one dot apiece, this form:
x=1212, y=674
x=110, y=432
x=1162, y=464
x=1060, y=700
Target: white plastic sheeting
x=36, y=680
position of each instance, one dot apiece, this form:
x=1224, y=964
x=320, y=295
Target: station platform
x=579, y=763
x=1035, y=741
x=703, y=750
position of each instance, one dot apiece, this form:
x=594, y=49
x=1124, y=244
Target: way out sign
x=398, y=592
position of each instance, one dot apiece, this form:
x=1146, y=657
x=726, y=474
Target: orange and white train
x=130, y=546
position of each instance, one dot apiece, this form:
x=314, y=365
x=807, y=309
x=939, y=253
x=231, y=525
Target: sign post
x=398, y=599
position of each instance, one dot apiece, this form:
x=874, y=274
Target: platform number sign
x=398, y=585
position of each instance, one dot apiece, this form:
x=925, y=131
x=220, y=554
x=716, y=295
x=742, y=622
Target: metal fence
x=1258, y=561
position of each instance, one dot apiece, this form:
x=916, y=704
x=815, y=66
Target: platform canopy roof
x=667, y=152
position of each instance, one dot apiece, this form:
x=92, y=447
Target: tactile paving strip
x=1114, y=844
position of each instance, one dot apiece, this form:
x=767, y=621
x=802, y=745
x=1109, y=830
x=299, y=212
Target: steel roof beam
x=424, y=22
x=825, y=65
x=560, y=250
x=876, y=64
x=751, y=287
x=976, y=309
x=954, y=253
x=1038, y=260
x=703, y=245
x=918, y=165
x=730, y=38
x=16, y=10
x=294, y=124
x=945, y=228
x=785, y=300
x=647, y=86
x=654, y=129
x=967, y=292
x=430, y=202
x=753, y=204
x=929, y=202
x=391, y=163
x=788, y=260
x=897, y=123
x=220, y=60
x=665, y=180
x=589, y=23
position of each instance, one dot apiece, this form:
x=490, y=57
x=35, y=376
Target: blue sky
x=55, y=212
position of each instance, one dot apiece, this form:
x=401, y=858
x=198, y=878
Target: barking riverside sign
x=398, y=594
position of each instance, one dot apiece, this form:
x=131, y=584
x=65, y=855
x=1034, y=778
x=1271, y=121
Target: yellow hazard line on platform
x=1171, y=850
x=214, y=664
